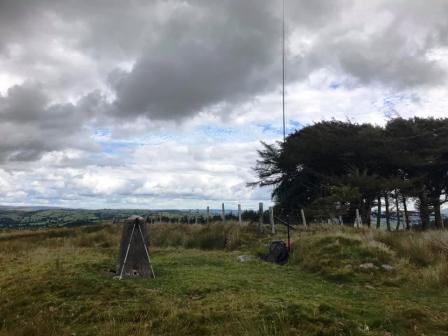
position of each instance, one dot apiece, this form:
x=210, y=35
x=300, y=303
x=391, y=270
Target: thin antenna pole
x=283, y=72
x=283, y=101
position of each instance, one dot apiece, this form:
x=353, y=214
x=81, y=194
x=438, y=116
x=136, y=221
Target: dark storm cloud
x=390, y=43
x=31, y=125
x=393, y=51
x=315, y=14
x=169, y=60
x=201, y=60
x=207, y=53
x=385, y=58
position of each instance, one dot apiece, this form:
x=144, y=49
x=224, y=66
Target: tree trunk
x=378, y=215
x=424, y=210
x=366, y=210
x=438, y=215
x=397, y=204
x=406, y=213
x=369, y=211
x=349, y=216
x=386, y=201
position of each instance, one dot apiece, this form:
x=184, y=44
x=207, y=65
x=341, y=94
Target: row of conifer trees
x=333, y=167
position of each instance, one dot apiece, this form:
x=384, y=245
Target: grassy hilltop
x=339, y=282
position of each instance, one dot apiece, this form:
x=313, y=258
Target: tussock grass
x=437, y=275
x=427, y=251
x=422, y=248
x=213, y=237
x=336, y=254
x=340, y=256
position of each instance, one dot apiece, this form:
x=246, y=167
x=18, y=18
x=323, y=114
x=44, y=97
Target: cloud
x=189, y=69
x=170, y=60
x=152, y=102
x=165, y=175
x=385, y=43
x=31, y=125
x=201, y=59
x=314, y=15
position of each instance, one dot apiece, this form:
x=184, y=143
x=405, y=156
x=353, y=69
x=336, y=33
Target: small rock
x=365, y=328
x=368, y=266
x=244, y=258
x=387, y=267
x=369, y=287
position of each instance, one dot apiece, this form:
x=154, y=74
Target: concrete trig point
x=134, y=257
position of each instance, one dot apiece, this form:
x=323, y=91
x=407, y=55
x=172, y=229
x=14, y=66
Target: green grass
x=57, y=282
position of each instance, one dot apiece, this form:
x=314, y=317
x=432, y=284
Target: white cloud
x=163, y=103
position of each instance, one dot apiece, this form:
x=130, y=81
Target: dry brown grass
x=421, y=248
x=427, y=251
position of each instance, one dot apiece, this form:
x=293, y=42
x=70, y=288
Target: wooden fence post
x=303, y=218
x=260, y=216
x=271, y=219
x=196, y=217
x=239, y=214
x=208, y=215
x=223, y=213
x=358, y=219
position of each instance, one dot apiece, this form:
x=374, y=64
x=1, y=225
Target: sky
x=163, y=103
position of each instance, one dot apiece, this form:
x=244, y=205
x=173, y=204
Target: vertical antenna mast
x=283, y=72
x=283, y=101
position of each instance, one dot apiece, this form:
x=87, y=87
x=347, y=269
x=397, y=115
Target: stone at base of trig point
x=137, y=264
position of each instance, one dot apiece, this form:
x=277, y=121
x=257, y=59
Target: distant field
x=58, y=282
x=48, y=218
x=31, y=218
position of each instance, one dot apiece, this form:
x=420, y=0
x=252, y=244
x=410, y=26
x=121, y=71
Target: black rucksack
x=278, y=253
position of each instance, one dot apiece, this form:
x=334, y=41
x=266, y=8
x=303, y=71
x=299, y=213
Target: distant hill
x=28, y=208
x=38, y=216
x=26, y=217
